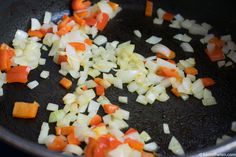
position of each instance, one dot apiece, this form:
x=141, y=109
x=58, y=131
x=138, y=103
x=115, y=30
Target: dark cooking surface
x=194, y=125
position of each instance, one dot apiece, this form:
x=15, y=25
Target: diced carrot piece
x=58, y=144
x=80, y=4
x=66, y=19
x=167, y=72
x=146, y=154
x=88, y=42
x=175, y=92
x=96, y=120
x=168, y=16
x=36, y=33
x=113, y=5
x=171, y=61
x=84, y=88
x=82, y=14
x=191, y=71
x=100, y=90
x=79, y=20
x=110, y=108
x=66, y=130
x=102, y=20
x=4, y=46
x=98, y=80
x=66, y=83
x=135, y=144
x=45, y=31
x=6, y=53
x=18, y=74
x=25, y=110
x=114, y=143
x=218, y=42
x=72, y=139
x=216, y=55
x=90, y=148
x=149, y=8
x=78, y=46
x=98, y=125
x=64, y=30
x=91, y=21
x=207, y=81
x=160, y=55
x=130, y=131
x=61, y=59
x=5, y=60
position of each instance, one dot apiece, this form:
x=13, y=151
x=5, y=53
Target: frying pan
x=195, y=126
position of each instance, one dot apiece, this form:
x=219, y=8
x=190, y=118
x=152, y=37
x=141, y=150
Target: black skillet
x=195, y=126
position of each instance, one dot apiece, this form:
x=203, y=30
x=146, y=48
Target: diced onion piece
x=226, y=38
x=160, y=13
x=197, y=86
x=33, y=84
x=197, y=29
x=153, y=40
x=206, y=26
x=141, y=99
x=219, y=141
x=118, y=83
x=150, y=97
x=121, y=114
x=44, y=74
x=225, y=49
x=231, y=45
x=163, y=97
x=35, y=24
x=159, y=48
x=175, y=146
x=1, y=92
x=232, y=56
x=181, y=37
x=132, y=87
x=44, y=48
x=175, y=24
x=123, y=99
x=233, y=126
x=226, y=137
x=158, y=21
x=208, y=99
x=179, y=17
x=126, y=75
x=187, y=23
x=220, y=63
x=151, y=147
x=47, y=17
x=42, y=61
x=166, y=128
x=137, y=33
x=186, y=47
x=93, y=106
x=145, y=136
x=229, y=63
x=56, y=116
x=43, y=133
x=100, y=40
x=106, y=119
x=21, y=35
x=72, y=148
x=52, y=107
x=122, y=151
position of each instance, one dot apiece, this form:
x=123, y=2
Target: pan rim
x=38, y=150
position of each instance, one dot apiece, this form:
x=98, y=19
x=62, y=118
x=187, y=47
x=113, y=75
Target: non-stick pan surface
x=195, y=126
